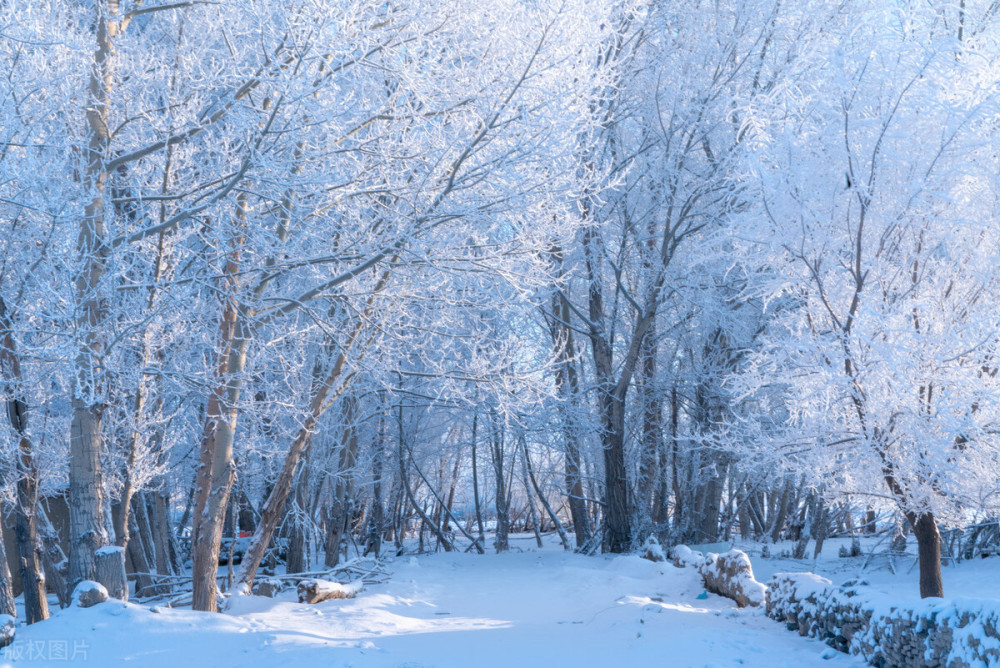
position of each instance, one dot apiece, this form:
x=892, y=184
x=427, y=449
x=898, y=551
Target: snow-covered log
x=89, y=593
x=315, y=591
x=729, y=574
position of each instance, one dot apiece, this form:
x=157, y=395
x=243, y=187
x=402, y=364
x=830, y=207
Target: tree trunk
x=296, y=561
x=215, y=468
x=567, y=385
x=780, y=512
x=137, y=552
x=86, y=516
x=675, y=465
x=425, y=521
x=54, y=559
x=870, y=518
x=617, y=514
x=929, y=554
x=376, y=519
x=652, y=426
x=475, y=483
x=29, y=558
x=532, y=511
x=819, y=525
x=341, y=508
x=711, y=501
x=162, y=534
x=272, y=510
x=7, y=605
x=450, y=502
x=502, y=503
x=541, y=497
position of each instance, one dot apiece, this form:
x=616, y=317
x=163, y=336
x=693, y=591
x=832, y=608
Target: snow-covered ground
x=524, y=608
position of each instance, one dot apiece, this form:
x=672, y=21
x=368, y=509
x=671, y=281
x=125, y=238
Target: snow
x=524, y=608
x=109, y=549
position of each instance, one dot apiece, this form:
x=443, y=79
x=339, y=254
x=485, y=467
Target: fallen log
x=315, y=591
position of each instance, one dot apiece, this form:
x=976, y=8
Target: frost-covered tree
x=880, y=184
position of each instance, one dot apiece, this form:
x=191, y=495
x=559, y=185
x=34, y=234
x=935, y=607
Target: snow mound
x=89, y=593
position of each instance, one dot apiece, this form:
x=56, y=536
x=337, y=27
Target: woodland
x=285, y=284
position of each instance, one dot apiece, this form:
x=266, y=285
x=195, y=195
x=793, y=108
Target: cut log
x=315, y=591
x=110, y=562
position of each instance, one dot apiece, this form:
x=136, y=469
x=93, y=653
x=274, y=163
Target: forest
x=309, y=286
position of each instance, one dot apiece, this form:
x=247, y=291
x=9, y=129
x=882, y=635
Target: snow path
x=519, y=609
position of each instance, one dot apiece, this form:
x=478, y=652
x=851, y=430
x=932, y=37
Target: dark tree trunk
x=376, y=519
x=652, y=426
x=297, y=515
x=929, y=555
x=53, y=557
x=28, y=558
x=502, y=496
x=617, y=514
x=870, y=521
x=475, y=483
x=137, y=552
x=7, y=605
x=450, y=503
x=780, y=512
x=567, y=384
x=162, y=535
x=342, y=507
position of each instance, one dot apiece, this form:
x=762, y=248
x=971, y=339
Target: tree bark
x=86, y=516
x=475, y=483
x=111, y=571
x=532, y=510
x=162, y=534
x=376, y=519
x=29, y=557
x=54, y=559
x=136, y=550
x=296, y=561
x=617, y=510
x=567, y=385
x=341, y=508
x=928, y=554
x=215, y=468
x=7, y=605
x=541, y=497
x=502, y=503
